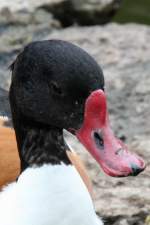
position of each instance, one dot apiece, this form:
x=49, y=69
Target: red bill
x=98, y=138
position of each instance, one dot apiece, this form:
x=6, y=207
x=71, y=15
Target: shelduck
x=57, y=85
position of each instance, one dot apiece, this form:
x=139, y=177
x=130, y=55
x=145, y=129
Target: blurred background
x=134, y=11
x=117, y=34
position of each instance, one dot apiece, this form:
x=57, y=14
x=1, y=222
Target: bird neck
x=39, y=144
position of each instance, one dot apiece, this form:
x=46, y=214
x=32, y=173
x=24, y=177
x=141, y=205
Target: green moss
x=137, y=11
x=147, y=220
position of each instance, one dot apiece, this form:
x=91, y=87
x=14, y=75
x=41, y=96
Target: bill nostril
x=98, y=137
x=119, y=151
x=136, y=169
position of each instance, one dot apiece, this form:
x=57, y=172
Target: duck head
x=55, y=86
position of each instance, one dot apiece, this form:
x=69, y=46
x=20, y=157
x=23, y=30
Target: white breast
x=46, y=196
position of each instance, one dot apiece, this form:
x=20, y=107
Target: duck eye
x=76, y=103
x=55, y=88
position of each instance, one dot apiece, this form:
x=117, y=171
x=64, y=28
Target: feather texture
x=47, y=195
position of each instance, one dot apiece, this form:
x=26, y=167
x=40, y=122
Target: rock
x=40, y=16
x=25, y=5
x=68, y=12
x=88, y=12
x=27, y=18
x=126, y=65
x=122, y=222
x=5, y=108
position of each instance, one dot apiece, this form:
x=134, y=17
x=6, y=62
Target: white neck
x=47, y=195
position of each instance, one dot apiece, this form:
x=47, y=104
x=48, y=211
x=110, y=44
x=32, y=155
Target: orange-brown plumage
x=9, y=160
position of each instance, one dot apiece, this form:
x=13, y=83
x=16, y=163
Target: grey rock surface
x=5, y=108
x=67, y=12
x=25, y=5
x=87, y=12
x=124, y=54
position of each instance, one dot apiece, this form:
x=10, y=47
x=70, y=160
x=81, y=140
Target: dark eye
x=56, y=89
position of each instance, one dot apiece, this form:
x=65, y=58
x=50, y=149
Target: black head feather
x=50, y=83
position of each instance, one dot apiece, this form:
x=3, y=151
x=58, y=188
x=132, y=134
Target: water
x=137, y=11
